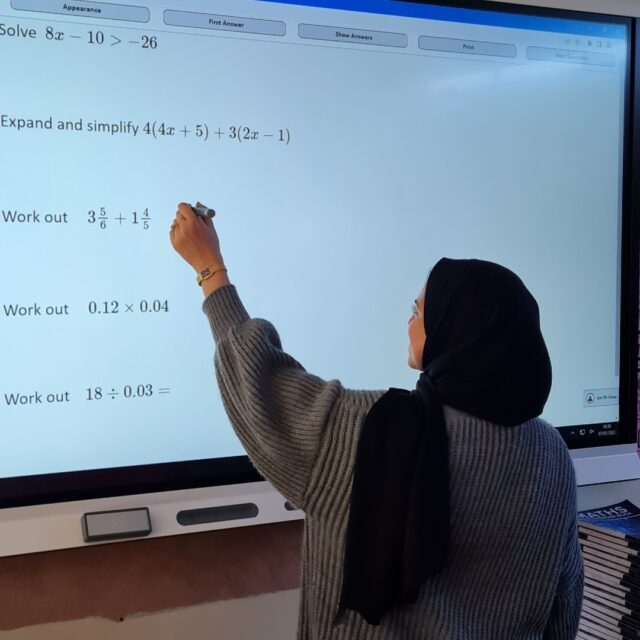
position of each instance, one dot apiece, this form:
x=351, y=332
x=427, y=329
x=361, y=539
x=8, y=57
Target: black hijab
x=484, y=355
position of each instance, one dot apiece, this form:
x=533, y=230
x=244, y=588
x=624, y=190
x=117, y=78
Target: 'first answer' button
x=224, y=23
x=352, y=36
x=85, y=9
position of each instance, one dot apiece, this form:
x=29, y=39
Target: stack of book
x=610, y=541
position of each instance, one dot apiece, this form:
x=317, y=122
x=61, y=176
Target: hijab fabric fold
x=485, y=356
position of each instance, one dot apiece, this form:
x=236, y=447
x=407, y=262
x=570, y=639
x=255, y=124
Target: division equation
x=125, y=392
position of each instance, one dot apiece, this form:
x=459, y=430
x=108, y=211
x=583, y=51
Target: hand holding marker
x=204, y=212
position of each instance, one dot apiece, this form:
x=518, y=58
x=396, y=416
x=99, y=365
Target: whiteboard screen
x=346, y=147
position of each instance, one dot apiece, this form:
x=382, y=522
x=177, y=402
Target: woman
x=445, y=513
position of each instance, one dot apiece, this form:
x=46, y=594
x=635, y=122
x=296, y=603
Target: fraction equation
x=101, y=218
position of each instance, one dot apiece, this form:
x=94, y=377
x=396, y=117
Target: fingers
x=185, y=212
x=174, y=229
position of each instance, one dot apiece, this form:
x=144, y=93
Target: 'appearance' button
x=85, y=9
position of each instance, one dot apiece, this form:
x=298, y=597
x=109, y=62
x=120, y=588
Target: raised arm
x=278, y=410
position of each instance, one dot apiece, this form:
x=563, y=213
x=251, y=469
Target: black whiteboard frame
x=145, y=479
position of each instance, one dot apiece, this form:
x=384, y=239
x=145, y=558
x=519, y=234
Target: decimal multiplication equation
x=103, y=219
x=39, y=309
x=119, y=307
x=75, y=33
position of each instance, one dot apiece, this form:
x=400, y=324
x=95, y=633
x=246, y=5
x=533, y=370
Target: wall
x=117, y=582
x=269, y=616
x=616, y=7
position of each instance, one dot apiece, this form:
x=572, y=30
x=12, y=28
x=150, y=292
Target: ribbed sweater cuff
x=225, y=310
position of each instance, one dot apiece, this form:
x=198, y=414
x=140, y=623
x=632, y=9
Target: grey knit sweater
x=515, y=570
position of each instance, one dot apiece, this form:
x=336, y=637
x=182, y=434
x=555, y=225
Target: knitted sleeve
x=277, y=409
x=565, y=615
